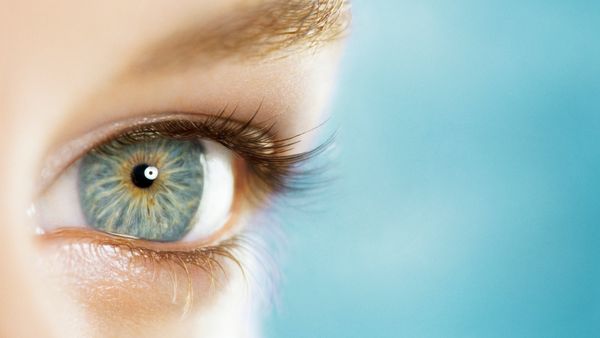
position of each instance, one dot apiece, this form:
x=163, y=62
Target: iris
x=146, y=188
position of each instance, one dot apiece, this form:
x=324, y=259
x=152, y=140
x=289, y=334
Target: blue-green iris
x=121, y=193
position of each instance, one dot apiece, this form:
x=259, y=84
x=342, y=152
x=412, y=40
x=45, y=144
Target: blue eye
x=146, y=186
x=148, y=189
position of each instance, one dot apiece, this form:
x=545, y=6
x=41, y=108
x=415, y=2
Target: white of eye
x=60, y=206
x=218, y=192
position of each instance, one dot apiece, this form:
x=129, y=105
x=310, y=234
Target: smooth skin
x=70, y=67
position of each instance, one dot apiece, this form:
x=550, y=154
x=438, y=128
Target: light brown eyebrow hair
x=252, y=32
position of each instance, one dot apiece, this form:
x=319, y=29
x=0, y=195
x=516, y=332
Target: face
x=145, y=148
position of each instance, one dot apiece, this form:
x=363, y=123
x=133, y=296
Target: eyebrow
x=252, y=32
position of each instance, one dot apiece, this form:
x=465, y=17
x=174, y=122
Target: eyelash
x=271, y=172
x=207, y=259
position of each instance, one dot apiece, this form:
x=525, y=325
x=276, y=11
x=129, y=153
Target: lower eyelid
x=113, y=273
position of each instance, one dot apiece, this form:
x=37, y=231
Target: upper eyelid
x=271, y=166
x=68, y=153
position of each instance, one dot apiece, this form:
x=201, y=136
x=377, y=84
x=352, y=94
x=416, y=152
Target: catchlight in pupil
x=143, y=175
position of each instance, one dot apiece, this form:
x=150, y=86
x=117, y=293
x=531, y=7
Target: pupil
x=138, y=176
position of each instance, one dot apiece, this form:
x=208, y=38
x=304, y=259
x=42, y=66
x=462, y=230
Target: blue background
x=468, y=199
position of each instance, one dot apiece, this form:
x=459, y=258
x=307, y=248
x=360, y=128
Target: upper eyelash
x=274, y=169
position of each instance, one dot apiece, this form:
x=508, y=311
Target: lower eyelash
x=209, y=259
x=271, y=172
x=201, y=257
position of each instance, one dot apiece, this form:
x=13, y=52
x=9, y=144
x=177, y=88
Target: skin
x=71, y=68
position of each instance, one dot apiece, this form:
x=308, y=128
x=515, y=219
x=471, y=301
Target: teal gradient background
x=468, y=199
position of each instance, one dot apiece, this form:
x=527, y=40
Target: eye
x=179, y=178
x=145, y=185
x=155, y=211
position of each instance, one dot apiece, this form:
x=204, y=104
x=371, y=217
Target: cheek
x=119, y=293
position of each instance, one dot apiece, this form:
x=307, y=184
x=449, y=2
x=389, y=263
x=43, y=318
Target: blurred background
x=468, y=203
